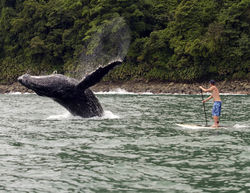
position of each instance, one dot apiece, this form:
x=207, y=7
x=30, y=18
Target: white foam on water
x=116, y=91
x=67, y=115
x=147, y=93
x=18, y=93
x=109, y=115
x=174, y=94
x=64, y=116
x=194, y=127
x=14, y=93
x=123, y=92
x=234, y=94
x=240, y=126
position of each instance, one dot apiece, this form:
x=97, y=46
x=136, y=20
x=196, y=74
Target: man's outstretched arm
x=206, y=90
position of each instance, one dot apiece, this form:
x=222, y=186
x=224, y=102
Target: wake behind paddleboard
x=194, y=126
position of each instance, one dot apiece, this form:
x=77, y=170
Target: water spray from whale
x=107, y=48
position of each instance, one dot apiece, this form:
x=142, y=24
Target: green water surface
x=135, y=147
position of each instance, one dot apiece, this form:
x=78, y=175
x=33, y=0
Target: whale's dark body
x=74, y=95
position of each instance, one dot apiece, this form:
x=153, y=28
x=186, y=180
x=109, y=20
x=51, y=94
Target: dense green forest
x=171, y=40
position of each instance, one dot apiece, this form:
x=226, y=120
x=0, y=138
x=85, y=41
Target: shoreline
x=155, y=87
x=232, y=87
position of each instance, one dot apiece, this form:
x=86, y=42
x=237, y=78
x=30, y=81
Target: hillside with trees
x=171, y=40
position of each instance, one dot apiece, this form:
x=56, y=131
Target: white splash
x=116, y=91
x=68, y=116
x=109, y=115
x=120, y=91
x=240, y=126
x=64, y=116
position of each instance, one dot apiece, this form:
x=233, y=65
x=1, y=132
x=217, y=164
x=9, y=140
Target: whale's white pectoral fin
x=96, y=76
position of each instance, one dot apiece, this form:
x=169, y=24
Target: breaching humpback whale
x=74, y=95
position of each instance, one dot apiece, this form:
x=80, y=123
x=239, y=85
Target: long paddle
x=204, y=108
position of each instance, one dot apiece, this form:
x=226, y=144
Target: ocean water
x=135, y=147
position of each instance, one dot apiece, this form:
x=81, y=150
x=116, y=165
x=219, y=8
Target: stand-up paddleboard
x=194, y=126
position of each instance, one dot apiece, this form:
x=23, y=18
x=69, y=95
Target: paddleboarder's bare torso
x=215, y=94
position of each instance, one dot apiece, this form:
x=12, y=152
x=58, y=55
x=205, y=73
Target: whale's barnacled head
x=54, y=85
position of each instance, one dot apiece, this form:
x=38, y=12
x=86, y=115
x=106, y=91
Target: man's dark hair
x=212, y=82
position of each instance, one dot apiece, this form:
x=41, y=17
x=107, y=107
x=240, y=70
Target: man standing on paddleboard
x=217, y=101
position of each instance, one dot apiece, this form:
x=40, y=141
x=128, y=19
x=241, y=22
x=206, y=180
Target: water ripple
x=135, y=147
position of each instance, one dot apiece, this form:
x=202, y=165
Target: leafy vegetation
x=172, y=40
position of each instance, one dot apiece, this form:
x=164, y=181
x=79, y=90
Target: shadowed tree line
x=172, y=40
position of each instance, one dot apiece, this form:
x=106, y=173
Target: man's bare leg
x=216, y=121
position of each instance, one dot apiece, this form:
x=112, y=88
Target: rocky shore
x=234, y=87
